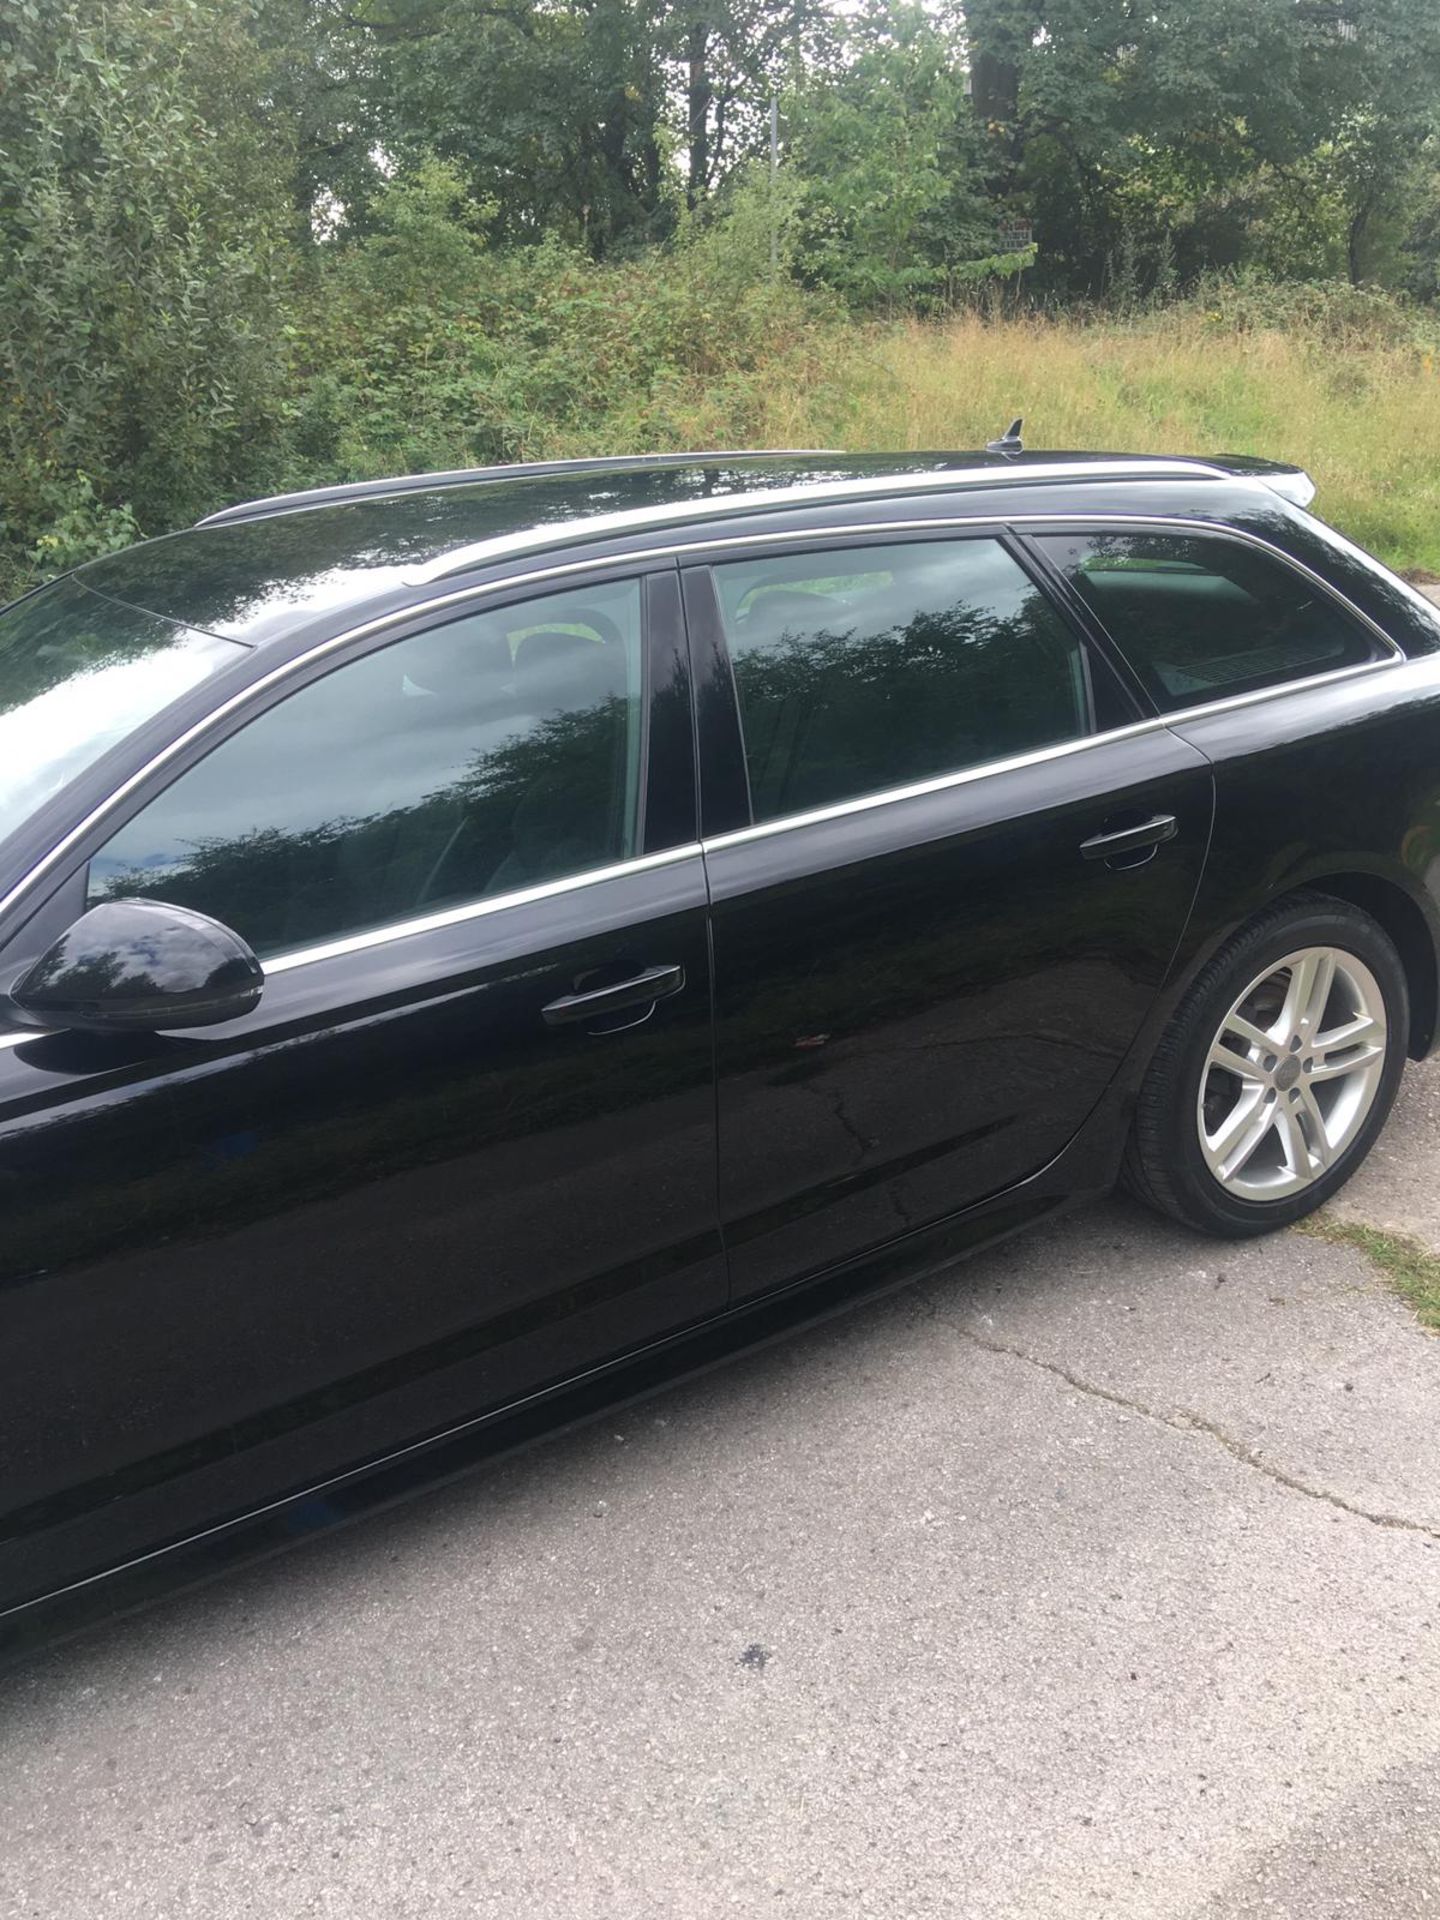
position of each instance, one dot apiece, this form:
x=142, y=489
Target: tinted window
x=878, y=666
x=483, y=756
x=1200, y=617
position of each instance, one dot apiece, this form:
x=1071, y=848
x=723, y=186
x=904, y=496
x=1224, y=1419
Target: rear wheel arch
x=1397, y=914
x=1169, y=1159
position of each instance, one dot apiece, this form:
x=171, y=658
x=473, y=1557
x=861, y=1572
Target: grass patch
x=1363, y=421
x=1358, y=409
x=1411, y=1268
x=1362, y=417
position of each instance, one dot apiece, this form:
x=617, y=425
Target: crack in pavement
x=1181, y=1420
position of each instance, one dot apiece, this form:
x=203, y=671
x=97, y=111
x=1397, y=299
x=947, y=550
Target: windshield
x=77, y=673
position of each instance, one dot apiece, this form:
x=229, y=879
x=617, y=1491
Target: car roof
x=253, y=571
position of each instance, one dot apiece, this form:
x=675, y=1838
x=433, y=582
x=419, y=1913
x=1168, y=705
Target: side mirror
x=140, y=966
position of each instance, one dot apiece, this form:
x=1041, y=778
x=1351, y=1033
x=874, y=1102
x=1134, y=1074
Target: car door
x=948, y=867
x=463, y=1148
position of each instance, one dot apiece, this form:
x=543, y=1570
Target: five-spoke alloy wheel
x=1277, y=1072
x=1292, y=1073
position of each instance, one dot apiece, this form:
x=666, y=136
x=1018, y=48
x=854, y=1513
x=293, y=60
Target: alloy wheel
x=1292, y=1073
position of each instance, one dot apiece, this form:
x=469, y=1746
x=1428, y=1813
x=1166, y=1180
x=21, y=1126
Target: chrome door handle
x=1149, y=833
x=655, y=983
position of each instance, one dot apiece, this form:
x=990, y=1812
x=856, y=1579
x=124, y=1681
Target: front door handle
x=655, y=983
x=1123, y=840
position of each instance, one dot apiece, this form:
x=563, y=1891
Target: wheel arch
x=1398, y=914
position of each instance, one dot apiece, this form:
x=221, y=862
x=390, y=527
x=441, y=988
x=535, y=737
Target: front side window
x=484, y=756
x=876, y=667
x=1200, y=617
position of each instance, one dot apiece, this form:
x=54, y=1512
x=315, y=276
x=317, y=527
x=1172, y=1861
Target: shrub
x=530, y=351
x=1329, y=312
x=137, y=276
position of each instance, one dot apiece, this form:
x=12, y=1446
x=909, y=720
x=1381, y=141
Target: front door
x=463, y=1148
x=931, y=948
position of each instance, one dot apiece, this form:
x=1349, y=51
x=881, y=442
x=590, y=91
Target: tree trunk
x=1355, y=241
x=1000, y=33
x=699, y=96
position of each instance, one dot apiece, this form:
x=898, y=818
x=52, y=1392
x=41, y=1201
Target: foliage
x=81, y=527
x=506, y=353
x=892, y=203
x=1364, y=421
x=254, y=243
x=1204, y=128
x=591, y=121
x=137, y=272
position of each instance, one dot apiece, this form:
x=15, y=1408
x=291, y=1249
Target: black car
x=473, y=945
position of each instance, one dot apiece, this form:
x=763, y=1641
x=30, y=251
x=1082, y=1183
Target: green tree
x=885, y=151
x=1206, y=126
x=592, y=121
x=141, y=208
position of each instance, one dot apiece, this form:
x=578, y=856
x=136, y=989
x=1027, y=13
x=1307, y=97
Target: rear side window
x=1200, y=618
x=874, y=667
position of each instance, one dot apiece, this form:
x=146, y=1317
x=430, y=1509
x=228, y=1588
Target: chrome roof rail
x=480, y=553
x=342, y=494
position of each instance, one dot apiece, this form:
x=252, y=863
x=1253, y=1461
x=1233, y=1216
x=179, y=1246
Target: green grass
x=1412, y=1270
x=1361, y=415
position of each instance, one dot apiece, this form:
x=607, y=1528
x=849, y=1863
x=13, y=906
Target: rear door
x=464, y=1147
x=948, y=867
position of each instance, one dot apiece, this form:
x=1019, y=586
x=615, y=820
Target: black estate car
x=471, y=945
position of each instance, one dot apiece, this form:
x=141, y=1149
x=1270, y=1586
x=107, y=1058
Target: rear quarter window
x=1201, y=618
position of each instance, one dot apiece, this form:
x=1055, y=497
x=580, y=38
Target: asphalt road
x=1099, y=1577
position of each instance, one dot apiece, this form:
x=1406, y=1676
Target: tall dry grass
x=1363, y=417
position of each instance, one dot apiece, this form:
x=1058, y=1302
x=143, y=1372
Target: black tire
x=1164, y=1163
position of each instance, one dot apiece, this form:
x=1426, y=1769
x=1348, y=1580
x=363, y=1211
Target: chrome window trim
x=766, y=829
x=815, y=492
x=919, y=789
x=1170, y=522
x=477, y=909
x=1217, y=529
x=446, y=917
x=1333, y=537
x=1162, y=723
x=1330, y=677
x=397, y=616
x=677, y=551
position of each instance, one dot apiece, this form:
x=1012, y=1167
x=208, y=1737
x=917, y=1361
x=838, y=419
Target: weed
x=1411, y=1268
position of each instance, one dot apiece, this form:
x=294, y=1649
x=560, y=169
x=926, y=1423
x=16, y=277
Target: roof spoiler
x=1291, y=483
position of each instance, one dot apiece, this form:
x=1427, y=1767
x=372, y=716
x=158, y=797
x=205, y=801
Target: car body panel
x=1327, y=786
x=389, y=1198
x=919, y=1003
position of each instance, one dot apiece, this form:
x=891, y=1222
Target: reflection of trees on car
x=829, y=712
x=541, y=804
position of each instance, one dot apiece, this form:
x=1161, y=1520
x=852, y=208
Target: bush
x=537, y=350
x=1331, y=313
x=137, y=276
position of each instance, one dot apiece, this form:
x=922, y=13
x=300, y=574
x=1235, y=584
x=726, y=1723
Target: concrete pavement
x=1100, y=1577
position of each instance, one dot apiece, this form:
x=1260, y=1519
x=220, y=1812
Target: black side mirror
x=140, y=966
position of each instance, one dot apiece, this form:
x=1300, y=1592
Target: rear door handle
x=1149, y=833
x=655, y=983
